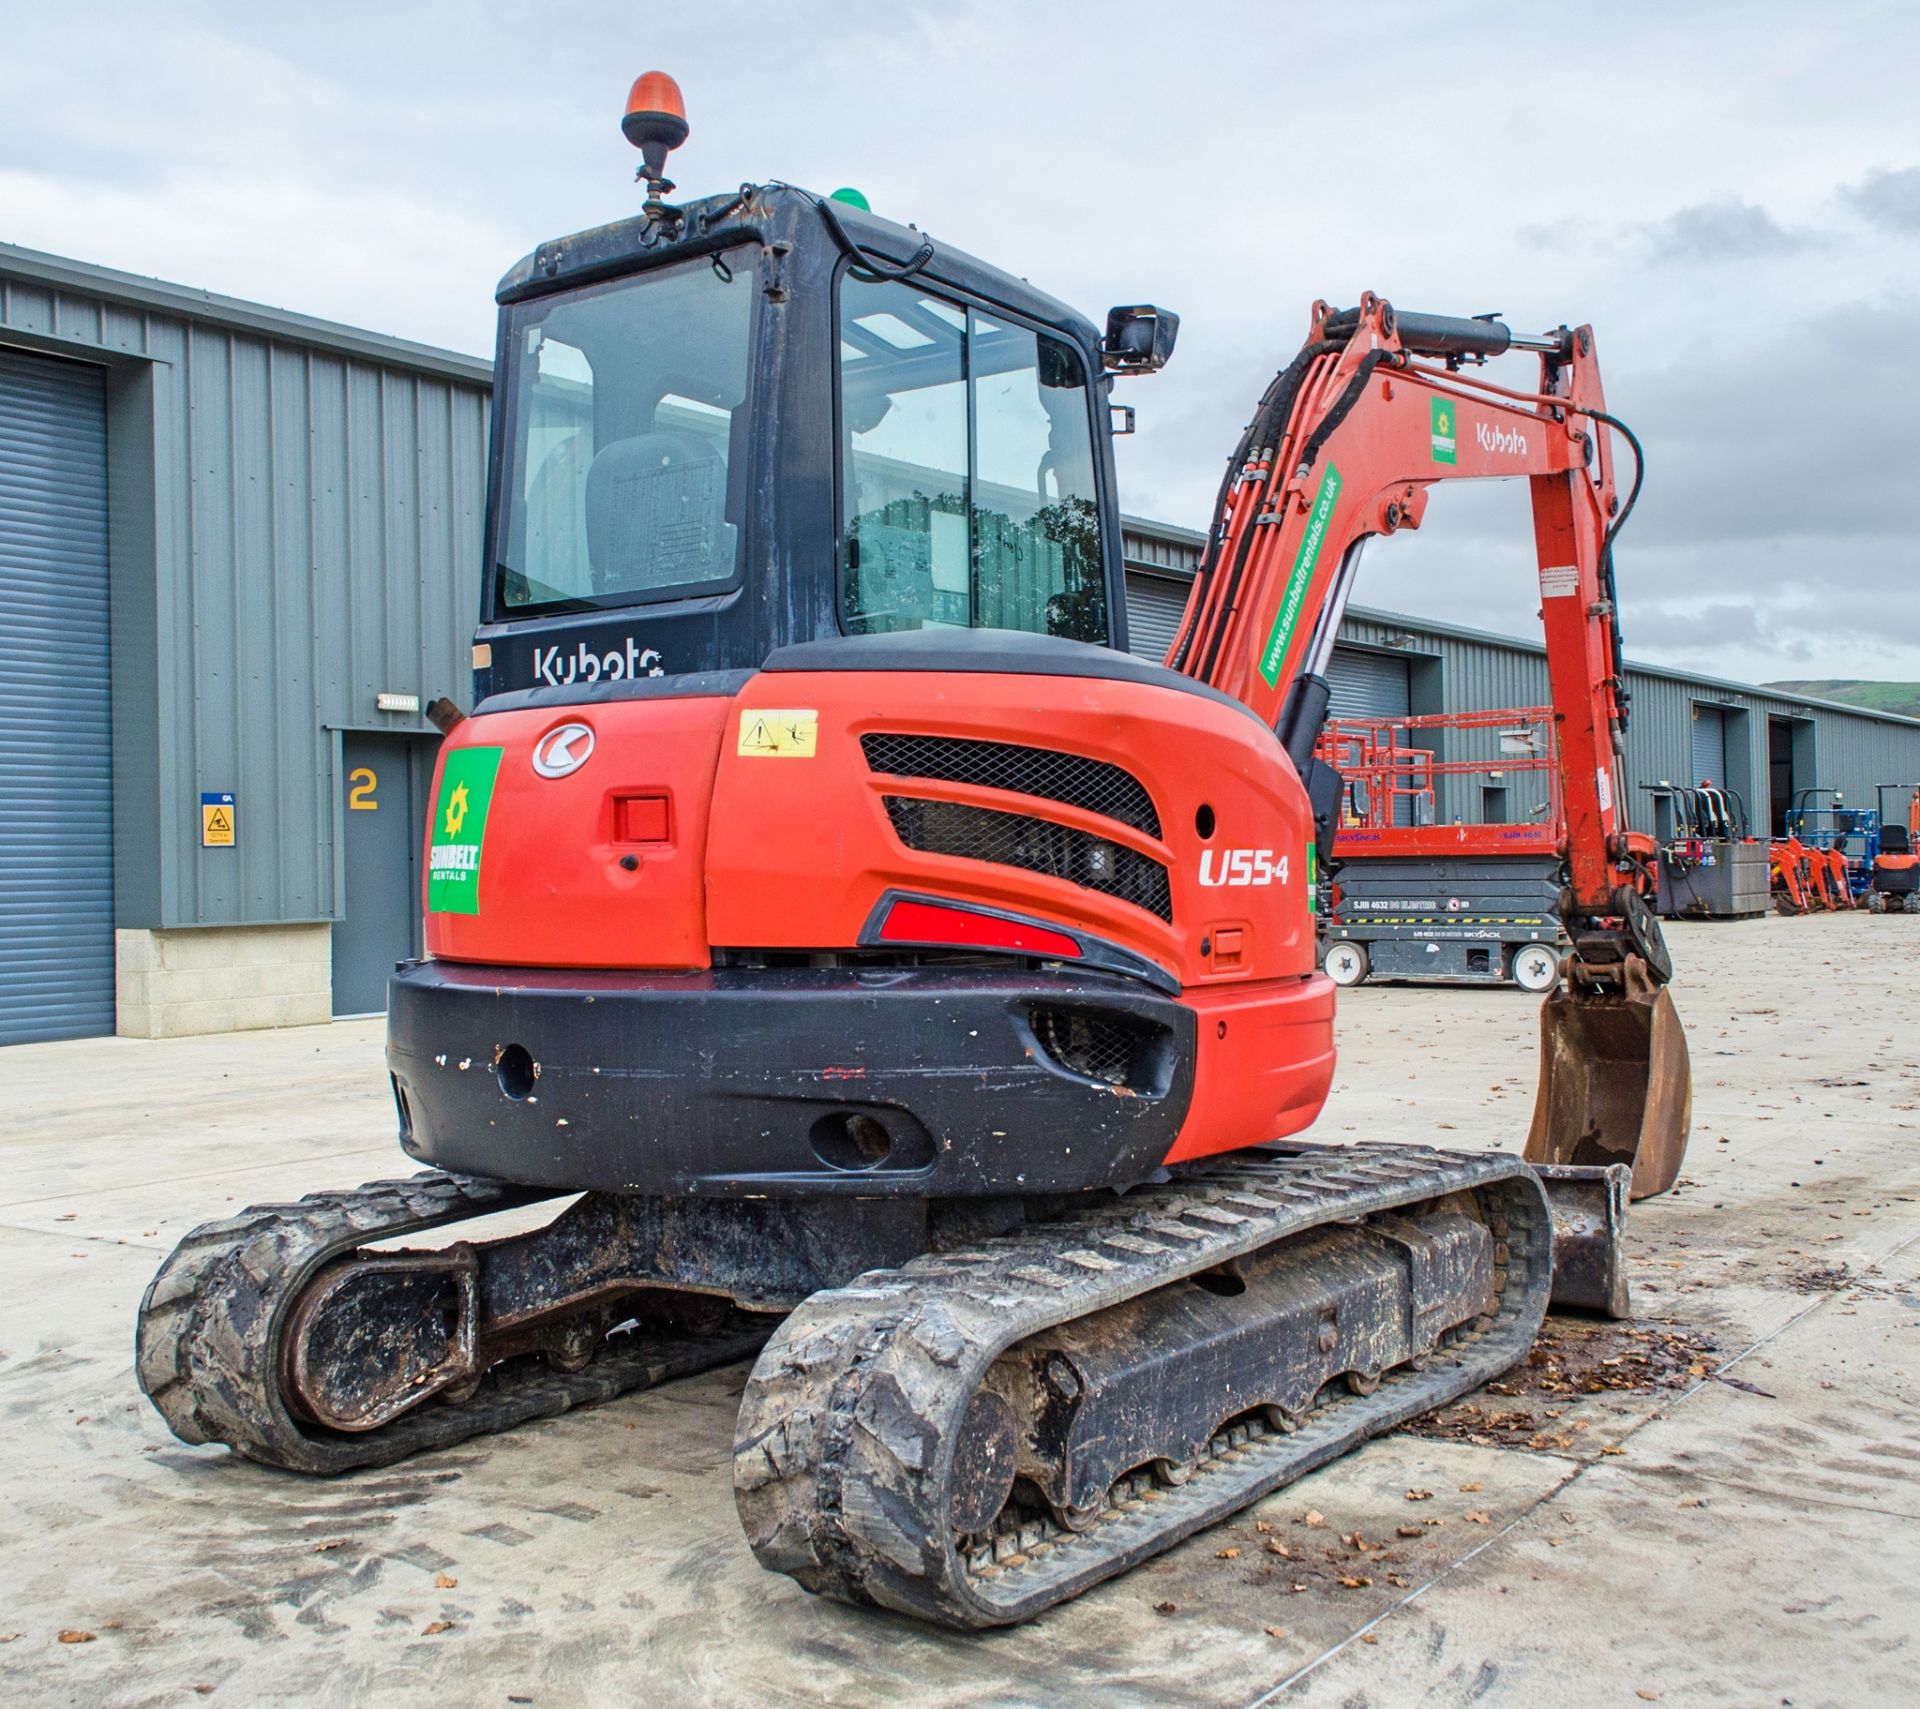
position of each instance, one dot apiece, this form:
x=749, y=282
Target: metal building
x=1684, y=729
x=225, y=532
x=242, y=548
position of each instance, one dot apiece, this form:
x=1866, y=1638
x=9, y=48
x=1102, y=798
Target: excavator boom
x=1347, y=443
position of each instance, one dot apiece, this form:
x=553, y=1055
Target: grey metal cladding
x=317, y=518
x=56, y=778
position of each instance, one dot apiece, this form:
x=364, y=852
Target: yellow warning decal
x=216, y=820
x=778, y=734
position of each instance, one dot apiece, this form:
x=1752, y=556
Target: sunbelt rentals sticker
x=1446, y=443
x=459, y=830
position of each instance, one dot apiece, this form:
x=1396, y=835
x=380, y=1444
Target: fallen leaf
x=1219, y=1555
x=1263, y=1526
x=1648, y=1696
x=1276, y=1547
x=444, y=1582
x=1693, y=1501
x=432, y=1627
x=8, y=1637
x=1410, y=1530
x=1368, y=1638
x=1419, y=1495
x=1612, y=1449
x=70, y=1636
x=1314, y=1517
x=336, y=1543
x=1479, y=1516
x=1359, y=1581
x=1164, y=1608
x=1469, y=1489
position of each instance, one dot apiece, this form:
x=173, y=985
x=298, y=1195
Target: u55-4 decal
x=1239, y=869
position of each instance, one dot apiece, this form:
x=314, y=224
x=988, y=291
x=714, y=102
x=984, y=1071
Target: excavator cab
x=736, y=425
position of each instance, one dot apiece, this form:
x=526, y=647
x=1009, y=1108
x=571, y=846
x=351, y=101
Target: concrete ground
x=1747, y=1534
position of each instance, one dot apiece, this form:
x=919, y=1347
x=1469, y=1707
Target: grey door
x=384, y=795
x=1364, y=685
x=1709, y=745
x=56, y=739
x=1367, y=685
x=1154, y=605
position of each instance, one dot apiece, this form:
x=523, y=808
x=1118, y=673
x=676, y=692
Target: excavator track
x=863, y=1423
x=211, y=1327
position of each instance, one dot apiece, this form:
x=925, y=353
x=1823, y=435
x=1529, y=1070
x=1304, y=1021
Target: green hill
x=1903, y=697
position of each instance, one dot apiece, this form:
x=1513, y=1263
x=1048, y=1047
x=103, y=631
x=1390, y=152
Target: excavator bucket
x=1615, y=1082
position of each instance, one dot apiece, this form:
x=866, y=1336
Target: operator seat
x=656, y=512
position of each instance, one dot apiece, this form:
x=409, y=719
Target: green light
x=852, y=197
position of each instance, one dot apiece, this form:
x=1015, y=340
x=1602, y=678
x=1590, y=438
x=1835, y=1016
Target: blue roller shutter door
x=56, y=754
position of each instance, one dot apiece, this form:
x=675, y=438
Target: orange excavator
x=893, y=978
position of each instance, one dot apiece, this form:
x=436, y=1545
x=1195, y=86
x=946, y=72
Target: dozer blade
x=1615, y=1082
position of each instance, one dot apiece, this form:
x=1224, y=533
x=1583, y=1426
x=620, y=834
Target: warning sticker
x=778, y=735
x=1559, y=581
x=459, y=828
x=216, y=820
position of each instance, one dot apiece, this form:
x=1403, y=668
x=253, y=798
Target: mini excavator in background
x=887, y=974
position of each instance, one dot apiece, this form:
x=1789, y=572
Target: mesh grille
x=1038, y=845
x=1091, y=1046
x=1080, y=782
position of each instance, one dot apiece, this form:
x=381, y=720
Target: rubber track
x=207, y=1343
x=844, y=1449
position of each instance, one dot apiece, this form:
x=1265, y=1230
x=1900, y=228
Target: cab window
x=967, y=471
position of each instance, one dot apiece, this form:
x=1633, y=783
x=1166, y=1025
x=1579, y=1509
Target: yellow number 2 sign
x=362, y=782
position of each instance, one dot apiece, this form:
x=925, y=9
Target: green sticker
x=459, y=825
x=1297, y=583
x=1441, y=414
x=1313, y=879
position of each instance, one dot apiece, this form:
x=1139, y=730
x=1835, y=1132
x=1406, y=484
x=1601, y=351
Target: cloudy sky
x=1729, y=193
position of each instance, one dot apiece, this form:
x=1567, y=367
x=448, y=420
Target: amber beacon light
x=656, y=124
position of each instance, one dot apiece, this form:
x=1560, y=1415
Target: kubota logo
x=564, y=751
x=1508, y=441
x=1240, y=868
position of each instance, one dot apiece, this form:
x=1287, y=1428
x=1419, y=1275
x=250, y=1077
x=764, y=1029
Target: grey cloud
x=1725, y=229
x=1888, y=200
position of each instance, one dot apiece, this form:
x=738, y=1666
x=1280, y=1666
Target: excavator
x=880, y=974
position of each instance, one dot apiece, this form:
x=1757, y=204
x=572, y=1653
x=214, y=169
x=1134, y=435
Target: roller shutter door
x=1709, y=745
x=1154, y=605
x=1367, y=685
x=56, y=766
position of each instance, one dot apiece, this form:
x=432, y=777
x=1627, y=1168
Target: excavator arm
x=1346, y=444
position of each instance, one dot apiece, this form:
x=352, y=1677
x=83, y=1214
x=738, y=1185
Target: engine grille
x=1037, y=845
x=1094, y=785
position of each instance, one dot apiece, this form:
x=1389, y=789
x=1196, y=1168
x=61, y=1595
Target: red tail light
x=910, y=922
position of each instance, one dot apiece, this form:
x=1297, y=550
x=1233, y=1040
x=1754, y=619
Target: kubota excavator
x=914, y=986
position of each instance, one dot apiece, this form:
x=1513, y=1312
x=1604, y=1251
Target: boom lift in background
x=1841, y=843
x=902, y=975
x=1411, y=897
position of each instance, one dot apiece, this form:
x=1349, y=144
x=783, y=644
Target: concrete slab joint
x=208, y=979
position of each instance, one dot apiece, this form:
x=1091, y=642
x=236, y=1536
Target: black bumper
x=924, y=1082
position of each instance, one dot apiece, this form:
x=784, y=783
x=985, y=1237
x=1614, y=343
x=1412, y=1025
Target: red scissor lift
x=1414, y=895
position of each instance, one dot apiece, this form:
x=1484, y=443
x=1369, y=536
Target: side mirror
x=1139, y=339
